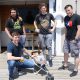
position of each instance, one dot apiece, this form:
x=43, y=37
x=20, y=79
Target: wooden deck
x=58, y=74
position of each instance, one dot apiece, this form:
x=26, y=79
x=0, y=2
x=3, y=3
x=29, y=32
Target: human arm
x=53, y=25
x=78, y=27
x=78, y=32
x=26, y=51
x=10, y=57
x=36, y=21
x=23, y=26
x=24, y=30
x=8, y=32
x=8, y=27
x=36, y=27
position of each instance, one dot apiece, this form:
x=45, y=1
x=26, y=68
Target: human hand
x=21, y=59
x=33, y=56
x=51, y=30
x=37, y=30
x=73, y=41
x=76, y=38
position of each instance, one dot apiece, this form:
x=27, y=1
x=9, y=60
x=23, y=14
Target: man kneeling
x=14, y=56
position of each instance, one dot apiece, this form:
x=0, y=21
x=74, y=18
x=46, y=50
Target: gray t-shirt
x=40, y=58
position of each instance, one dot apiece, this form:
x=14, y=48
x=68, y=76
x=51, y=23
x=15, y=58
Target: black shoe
x=74, y=73
x=63, y=67
x=50, y=63
x=10, y=78
x=20, y=73
x=44, y=67
x=15, y=73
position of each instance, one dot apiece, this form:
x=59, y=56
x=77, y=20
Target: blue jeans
x=46, y=41
x=23, y=40
x=14, y=63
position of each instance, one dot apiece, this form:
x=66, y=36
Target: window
x=28, y=13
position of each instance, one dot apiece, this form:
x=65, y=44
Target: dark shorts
x=72, y=47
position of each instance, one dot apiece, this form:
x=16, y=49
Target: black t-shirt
x=15, y=50
x=15, y=25
x=71, y=26
x=44, y=22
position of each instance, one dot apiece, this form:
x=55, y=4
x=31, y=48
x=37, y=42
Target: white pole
x=76, y=6
x=51, y=10
x=59, y=28
x=0, y=34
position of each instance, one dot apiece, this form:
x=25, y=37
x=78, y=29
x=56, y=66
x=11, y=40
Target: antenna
x=76, y=6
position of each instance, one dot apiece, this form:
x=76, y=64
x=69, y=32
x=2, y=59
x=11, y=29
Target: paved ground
x=58, y=74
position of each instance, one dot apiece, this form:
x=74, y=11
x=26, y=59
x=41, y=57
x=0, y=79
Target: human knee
x=11, y=63
x=32, y=63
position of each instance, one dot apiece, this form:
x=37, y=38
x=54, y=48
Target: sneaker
x=74, y=73
x=21, y=73
x=10, y=78
x=63, y=67
x=50, y=63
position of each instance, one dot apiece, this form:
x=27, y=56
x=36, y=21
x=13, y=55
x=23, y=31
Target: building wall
x=21, y=2
x=0, y=34
x=73, y=3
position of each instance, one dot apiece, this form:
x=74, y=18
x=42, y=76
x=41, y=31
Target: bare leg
x=75, y=71
x=77, y=61
x=66, y=59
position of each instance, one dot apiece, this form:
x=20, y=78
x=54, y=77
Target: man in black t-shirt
x=15, y=23
x=72, y=39
x=43, y=26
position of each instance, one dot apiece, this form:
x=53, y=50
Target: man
x=14, y=56
x=15, y=23
x=43, y=26
x=71, y=43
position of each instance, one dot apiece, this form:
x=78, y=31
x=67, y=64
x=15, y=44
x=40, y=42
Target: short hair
x=15, y=33
x=42, y=4
x=68, y=6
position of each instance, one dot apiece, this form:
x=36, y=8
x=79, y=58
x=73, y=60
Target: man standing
x=15, y=23
x=43, y=26
x=72, y=39
x=14, y=56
